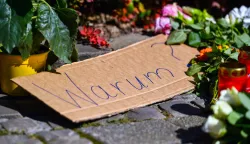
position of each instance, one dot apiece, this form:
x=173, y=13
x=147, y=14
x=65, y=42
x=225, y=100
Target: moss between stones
x=93, y=124
x=3, y=132
x=89, y=137
x=121, y=121
x=39, y=138
x=167, y=115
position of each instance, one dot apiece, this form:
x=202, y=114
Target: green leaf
x=62, y=3
x=248, y=114
x=175, y=25
x=227, y=52
x=238, y=42
x=219, y=41
x=245, y=38
x=53, y=29
x=207, y=29
x=245, y=100
x=244, y=134
x=223, y=23
x=177, y=37
x=12, y=27
x=206, y=36
x=213, y=26
x=195, y=68
x=234, y=117
x=25, y=45
x=203, y=44
x=194, y=39
x=69, y=18
x=74, y=56
x=234, y=55
x=197, y=26
x=212, y=69
x=130, y=7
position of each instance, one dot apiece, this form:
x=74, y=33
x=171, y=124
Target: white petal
x=215, y=127
x=235, y=12
x=227, y=18
x=225, y=96
x=247, y=13
x=243, y=10
x=224, y=109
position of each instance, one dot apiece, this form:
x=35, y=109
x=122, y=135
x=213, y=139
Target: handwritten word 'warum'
x=139, y=85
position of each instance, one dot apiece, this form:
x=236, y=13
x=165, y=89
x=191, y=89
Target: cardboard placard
x=141, y=74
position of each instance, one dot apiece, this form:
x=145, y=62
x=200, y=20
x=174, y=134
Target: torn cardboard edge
x=125, y=79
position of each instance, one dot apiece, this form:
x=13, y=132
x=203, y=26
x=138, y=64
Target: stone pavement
x=26, y=120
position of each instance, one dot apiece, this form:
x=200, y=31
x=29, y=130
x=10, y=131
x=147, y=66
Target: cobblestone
x=180, y=108
x=71, y=141
x=9, y=113
x=146, y=132
x=18, y=139
x=26, y=125
x=53, y=135
x=145, y=113
x=185, y=97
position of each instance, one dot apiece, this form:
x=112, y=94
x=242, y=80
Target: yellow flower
x=220, y=47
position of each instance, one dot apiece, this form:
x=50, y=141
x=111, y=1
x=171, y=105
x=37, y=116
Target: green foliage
x=194, y=39
x=245, y=100
x=221, y=38
x=54, y=31
x=23, y=28
x=204, y=33
x=194, y=69
x=177, y=37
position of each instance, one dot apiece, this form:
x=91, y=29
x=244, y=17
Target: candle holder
x=232, y=74
x=244, y=57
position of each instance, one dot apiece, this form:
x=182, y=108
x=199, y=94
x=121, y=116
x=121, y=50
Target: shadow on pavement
x=187, y=109
x=193, y=135
x=33, y=108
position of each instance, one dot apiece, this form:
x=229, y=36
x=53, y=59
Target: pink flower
x=163, y=25
x=187, y=17
x=171, y=10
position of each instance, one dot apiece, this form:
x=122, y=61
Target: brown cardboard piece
x=141, y=74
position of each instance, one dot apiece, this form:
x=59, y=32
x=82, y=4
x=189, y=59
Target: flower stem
x=34, y=17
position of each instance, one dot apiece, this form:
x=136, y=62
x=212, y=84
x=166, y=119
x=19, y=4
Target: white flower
x=239, y=15
x=211, y=19
x=230, y=96
x=221, y=109
x=215, y=127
